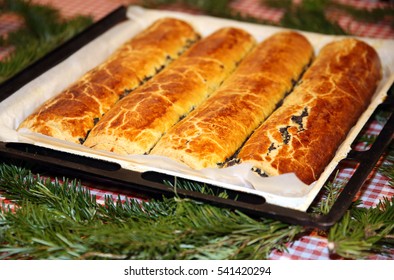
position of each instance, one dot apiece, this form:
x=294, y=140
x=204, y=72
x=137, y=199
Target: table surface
x=308, y=247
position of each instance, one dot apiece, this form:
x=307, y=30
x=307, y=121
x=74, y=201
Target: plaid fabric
x=94, y=8
x=257, y=10
x=313, y=246
x=306, y=248
x=379, y=29
x=8, y=23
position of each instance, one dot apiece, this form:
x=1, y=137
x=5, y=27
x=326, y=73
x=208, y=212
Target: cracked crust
x=136, y=123
x=73, y=113
x=212, y=133
x=303, y=135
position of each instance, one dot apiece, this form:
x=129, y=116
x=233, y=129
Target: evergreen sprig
x=218, y=8
x=329, y=194
x=56, y=219
x=378, y=14
x=62, y=220
x=387, y=167
x=363, y=231
x=308, y=15
x=311, y=15
x=42, y=31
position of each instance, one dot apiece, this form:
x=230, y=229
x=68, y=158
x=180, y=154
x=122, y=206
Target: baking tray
x=114, y=177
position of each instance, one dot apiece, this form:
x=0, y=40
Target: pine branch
x=331, y=191
x=309, y=15
x=43, y=30
x=363, y=231
x=387, y=167
x=218, y=8
x=367, y=15
x=61, y=220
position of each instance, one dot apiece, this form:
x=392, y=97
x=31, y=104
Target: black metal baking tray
x=115, y=178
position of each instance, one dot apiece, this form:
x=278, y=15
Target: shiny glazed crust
x=303, y=135
x=214, y=131
x=136, y=123
x=72, y=114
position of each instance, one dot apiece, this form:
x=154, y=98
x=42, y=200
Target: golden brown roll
x=71, y=114
x=136, y=123
x=303, y=135
x=213, y=132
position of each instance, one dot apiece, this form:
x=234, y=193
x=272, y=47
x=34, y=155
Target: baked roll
x=136, y=123
x=72, y=114
x=213, y=132
x=303, y=135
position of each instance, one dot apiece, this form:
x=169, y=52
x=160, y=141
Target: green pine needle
x=217, y=8
x=310, y=15
x=363, y=231
x=387, y=167
x=62, y=220
x=43, y=30
x=331, y=191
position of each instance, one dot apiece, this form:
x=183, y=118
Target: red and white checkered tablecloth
x=309, y=247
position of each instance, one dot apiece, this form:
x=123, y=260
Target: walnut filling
x=158, y=69
x=227, y=162
x=184, y=115
x=285, y=134
x=231, y=162
x=168, y=60
x=147, y=78
x=271, y=148
x=125, y=93
x=188, y=44
x=259, y=171
x=299, y=119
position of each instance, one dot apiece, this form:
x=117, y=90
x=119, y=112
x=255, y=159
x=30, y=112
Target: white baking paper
x=284, y=190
